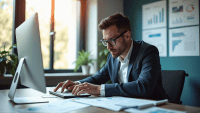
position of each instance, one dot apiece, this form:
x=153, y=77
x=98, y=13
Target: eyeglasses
x=111, y=41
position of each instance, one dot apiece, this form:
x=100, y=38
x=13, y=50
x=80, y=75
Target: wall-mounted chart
x=158, y=38
x=183, y=13
x=184, y=41
x=154, y=15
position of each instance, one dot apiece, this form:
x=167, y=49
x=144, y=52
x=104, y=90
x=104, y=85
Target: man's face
x=111, y=33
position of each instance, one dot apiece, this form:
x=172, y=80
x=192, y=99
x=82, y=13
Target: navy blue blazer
x=144, y=78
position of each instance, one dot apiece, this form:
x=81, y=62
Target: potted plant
x=82, y=61
x=103, y=54
x=8, y=61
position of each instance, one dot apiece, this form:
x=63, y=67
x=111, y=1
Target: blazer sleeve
x=101, y=77
x=144, y=85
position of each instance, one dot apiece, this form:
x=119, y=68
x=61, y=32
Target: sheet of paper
x=183, y=13
x=113, y=103
x=153, y=110
x=184, y=41
x=158, y=38
x=99, y=102
x=154, y=15
x=55, y=107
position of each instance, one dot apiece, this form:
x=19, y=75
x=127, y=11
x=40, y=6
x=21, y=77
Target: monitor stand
x=22, y=100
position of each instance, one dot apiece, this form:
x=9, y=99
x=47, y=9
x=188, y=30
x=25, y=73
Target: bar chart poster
x=158, y=38
x=184, y=41
x=154, y=15
x=183, y=13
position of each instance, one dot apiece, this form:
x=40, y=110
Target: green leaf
x=4, y=52
x=100, y=44
x=100, y=53
x=9, y=65
x=15, y=45
x=107, y=52
x=103, y=54
x=14, y=58
x=102, y=63
x=11, y=47
x=12, y=71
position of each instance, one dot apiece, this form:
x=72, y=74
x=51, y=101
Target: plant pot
x=2, y=72
x=85, y=69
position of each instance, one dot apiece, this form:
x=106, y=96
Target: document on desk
x=119, y=103
x=55, y=107
x=153, y=110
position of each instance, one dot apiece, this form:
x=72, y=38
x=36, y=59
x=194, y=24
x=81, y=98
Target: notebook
x=68, y=94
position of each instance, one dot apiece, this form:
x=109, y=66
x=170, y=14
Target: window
x=65, y=27
x=57, y=20
x=43, y=7
x=6, y=22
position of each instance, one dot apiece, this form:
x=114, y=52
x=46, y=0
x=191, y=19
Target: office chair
x=173, y=82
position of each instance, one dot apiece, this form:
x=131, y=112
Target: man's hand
x=65, y=85
x=86, y=88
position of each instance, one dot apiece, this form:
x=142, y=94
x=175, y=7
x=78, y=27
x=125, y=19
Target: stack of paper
x=119, y=103
x=56, y=107
x=153, y=110
x=112, y=103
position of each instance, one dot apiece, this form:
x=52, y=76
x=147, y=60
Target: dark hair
x=122, y=22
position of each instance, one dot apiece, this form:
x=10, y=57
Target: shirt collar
x=127, y=58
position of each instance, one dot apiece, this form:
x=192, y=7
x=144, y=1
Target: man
x=129, y=77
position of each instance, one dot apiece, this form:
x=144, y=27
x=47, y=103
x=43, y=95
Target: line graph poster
x=158, y=38
x=183, y=13
x=154, y=15
x=184, y=41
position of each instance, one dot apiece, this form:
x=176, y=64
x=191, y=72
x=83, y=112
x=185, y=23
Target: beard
x=117, y=52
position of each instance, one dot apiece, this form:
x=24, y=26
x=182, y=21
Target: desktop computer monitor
x=30, y=68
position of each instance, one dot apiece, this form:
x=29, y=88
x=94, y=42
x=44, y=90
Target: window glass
x=66, y=15
x=43, y=8
x=6, y=22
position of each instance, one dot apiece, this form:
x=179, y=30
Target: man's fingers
x=77, y=88
x=82, y=91
x=66, y=83
x=86, y=88
x=58, y=86
x=71, y=88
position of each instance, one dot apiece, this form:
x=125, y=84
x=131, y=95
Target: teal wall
x=191, y=65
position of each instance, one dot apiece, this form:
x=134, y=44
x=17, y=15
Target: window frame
x=19, y=9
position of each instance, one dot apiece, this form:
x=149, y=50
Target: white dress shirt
x=122, y=73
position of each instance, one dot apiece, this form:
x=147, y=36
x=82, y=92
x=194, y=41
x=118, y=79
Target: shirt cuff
x=77, y=82
x=102, y=91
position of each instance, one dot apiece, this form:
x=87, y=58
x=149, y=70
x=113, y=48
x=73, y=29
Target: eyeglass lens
x=111, y=42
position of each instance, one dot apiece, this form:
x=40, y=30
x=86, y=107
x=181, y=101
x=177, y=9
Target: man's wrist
x=77, y=82
x=99, y=90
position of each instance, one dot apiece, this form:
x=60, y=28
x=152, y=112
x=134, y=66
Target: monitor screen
x=29, y=48
x=30, y=68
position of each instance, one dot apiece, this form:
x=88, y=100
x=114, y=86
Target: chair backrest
x=173, y=82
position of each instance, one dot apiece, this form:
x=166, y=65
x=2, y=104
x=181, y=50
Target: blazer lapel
x=116, y=68
x=134, y=54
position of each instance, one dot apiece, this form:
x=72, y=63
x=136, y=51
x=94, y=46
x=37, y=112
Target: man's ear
x=128, y=35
